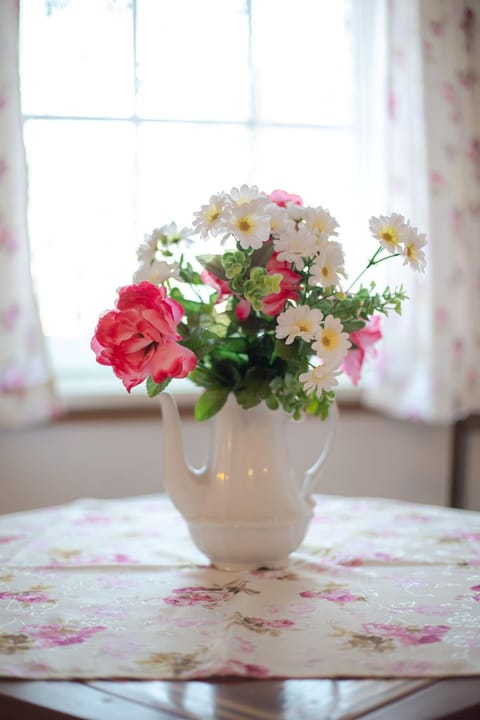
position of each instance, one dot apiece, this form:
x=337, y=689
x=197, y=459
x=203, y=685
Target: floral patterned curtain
x=429, y=365
x=26, y=389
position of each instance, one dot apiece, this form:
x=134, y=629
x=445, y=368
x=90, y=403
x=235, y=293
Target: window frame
x=101, y=388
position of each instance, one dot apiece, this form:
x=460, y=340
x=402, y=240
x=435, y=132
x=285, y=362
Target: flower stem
x=373, y=261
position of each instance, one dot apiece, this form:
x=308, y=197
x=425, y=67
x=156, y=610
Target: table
x=457, y=699
x=381, y=602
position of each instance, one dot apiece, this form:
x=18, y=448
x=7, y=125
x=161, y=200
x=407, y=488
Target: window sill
x=109, y=395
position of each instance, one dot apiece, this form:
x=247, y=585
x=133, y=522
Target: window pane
x=81, y=219
x=77, y=57
x=213, y=111
x=181, y=165
x=318, y=165
x=193, y=59
x=302, y=61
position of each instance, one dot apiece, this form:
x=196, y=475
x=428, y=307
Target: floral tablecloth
x=115, y=589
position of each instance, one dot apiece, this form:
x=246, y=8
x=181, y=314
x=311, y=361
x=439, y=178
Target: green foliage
x=260, y=284
x=320, y=405
x=210, y=402
x=201, y=341
x=154, y=388
x=245, y=357
x=257, y=314
x=213, y=263
x=254, y=387
x=193, y=308
x=235, y=263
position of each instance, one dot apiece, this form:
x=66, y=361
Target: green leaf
x=252, y=325
x=217, y=325
x=363, y=293
x=286, y=352
x=189, y=275
x=255, y=388
x=228, y=371
x=262, y=255
x=313, y=407
x=320, y=406
x=223, y=352
x=272, y=402
x=203, y=377
x=201, y=341
x=154, y=388
x=236, y=344
x=210, y=402
x=353, y=325
x=213, y=263
x=191, y=307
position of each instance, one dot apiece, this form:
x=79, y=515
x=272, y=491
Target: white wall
x=372, y=456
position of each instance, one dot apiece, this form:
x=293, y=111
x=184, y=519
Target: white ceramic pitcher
x=245, y=508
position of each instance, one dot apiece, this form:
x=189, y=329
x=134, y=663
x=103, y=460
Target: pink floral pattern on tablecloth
x=115, y=588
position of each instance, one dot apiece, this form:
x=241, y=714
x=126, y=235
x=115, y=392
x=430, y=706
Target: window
x=136, y=111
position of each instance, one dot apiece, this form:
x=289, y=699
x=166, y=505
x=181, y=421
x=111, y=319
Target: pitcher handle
x=312, y=475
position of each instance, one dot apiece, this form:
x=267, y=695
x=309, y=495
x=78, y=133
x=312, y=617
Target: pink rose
x=222, y=287
x=362, y=341
x=139, y=338
x=273, y=304
x=242, y=311
x=281, y=198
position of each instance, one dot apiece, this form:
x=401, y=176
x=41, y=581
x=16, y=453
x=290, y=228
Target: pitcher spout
x=182, y=482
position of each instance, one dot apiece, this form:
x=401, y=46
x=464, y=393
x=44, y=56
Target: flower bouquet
x=263, y=315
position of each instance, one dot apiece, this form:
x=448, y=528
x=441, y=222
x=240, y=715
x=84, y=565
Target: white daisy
x=389, y=230
x=279, y=219
x=301, y=321
x=210, y=218
x=294, y=245
x=331, y=343
x=328, y=266
x=247, y=194
x=295, y=212
x=249, y=225
x=156, y=272
x=146, y=250
x=321, y=377
x=319, y=221
x=171, y=235
x=414, y=256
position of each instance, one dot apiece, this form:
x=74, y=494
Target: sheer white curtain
x=429, y=364
x=26, y=388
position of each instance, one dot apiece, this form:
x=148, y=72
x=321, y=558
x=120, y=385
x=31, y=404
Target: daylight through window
x=135, y=112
